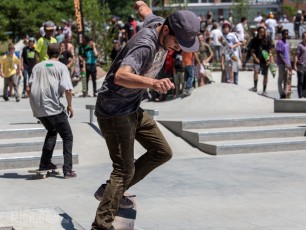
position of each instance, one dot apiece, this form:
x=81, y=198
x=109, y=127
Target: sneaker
x=68, y=175
x=50, y=166
x=17, y=99
x=264, y=93
x=6, y=98
x=254, y=89
x=100, y=191
x=125, y=202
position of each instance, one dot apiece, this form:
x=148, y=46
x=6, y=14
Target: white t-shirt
x=215, y=34
x=240, y=30
x=258, y=20
x=49, y=78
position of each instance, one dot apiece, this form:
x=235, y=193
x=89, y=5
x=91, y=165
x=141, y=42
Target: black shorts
x=262, y=68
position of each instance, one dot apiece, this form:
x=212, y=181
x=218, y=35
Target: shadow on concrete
x=96, y=128
x=15, y=176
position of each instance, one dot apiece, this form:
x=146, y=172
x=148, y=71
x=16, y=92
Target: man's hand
x=138, y=4
x=28, y=90
x=163, y=85
x=70, y=111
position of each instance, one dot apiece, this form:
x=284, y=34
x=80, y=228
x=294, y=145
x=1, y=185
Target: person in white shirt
x=240, y=28
x=258, y=19
x=271, y=24
x=215, y=34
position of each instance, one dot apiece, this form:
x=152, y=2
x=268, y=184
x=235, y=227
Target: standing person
x=66, y=57
x=179, y=81
x=43, y=42
x=258, y=19
x=240, y=29
x=283, y=62
x=297, y=20
x=216, y=34
x=189, y=63
x=258, y=44
x=130, y=27
x=205, y=54
x=271, y=25
x=8, y=71
x=300, y=66
x=90, y=63
x=47, y=81
x=119, y=116
x=231, y=65
x=27, y=63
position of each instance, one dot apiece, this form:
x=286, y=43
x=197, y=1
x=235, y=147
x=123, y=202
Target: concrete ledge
x=290, y=106
x=31, y=160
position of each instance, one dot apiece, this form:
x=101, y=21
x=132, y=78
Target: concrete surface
x=192, y=191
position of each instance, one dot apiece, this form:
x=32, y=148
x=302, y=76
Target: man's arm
x=68, y=94
x=142, y=9
x=126, y=77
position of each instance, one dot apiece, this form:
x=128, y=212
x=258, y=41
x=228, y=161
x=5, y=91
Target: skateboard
x=288, y=90
x=43, y=174
x=125, y=218
x=272, y=66
x=227, y=49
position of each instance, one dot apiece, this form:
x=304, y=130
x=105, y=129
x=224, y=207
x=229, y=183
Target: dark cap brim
x=190, y=46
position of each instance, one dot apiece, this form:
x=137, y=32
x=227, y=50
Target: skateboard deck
x=227, y=49
x=125, y=218
x=272, y=66
x=288, y=89
x=43, y=174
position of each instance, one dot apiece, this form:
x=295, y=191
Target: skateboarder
x=45, y=84
x=118, y=111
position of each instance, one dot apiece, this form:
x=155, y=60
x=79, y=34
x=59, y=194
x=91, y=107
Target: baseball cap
x=49, y=25
x=185, y=26
x=32, y=39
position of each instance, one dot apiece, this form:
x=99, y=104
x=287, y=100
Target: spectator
x=297, y=20
x=179, y=80
x=27, y=63
x=283, y=62
x=43, y=42
x=90, y=63
x=66, y=57
x=116, y=49
x=240, y=29
x=216, y=34
x=59, y=35
x=9, y=72
x=130, y=27
x=300, y=66
x=258, y=19
x=189, y=63
x=271, y=24
x=258, y=44
x=205, y=54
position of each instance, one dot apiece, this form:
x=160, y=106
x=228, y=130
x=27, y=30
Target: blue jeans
x=26, y=74
x=189, y=77
x=57, y=124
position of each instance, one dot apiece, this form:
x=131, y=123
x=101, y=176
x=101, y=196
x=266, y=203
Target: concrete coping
x=290, y=106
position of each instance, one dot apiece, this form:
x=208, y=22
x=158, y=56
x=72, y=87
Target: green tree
x=22, y=19
x=96, y=13
x=121, y=8
x=240, y=8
